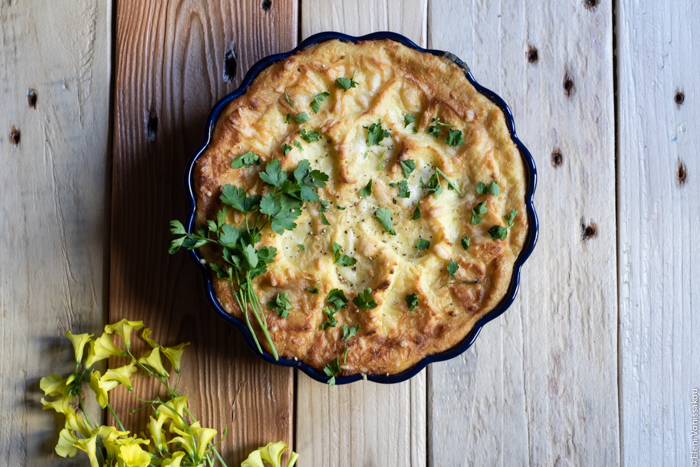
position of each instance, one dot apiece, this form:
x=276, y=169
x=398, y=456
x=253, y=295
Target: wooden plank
x=174, y=61
x=539, y=387
x=362, y=423
x=53, y=184
x=659, y=128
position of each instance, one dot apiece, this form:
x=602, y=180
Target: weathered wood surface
x=53, y=183
x=174, y=60
x=659, y=141
x=539, y=387
x=363, y=423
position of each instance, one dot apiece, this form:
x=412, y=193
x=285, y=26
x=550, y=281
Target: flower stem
x=115, y=417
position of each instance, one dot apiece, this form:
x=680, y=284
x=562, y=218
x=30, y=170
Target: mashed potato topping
x=418, y=225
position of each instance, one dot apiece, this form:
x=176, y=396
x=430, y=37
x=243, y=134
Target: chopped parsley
x=383, y=215
x=280, y=305
x=416, y=213
x=407, y=167
x=404, y=192
x=311, y=136
x=289, y=101
x=367, y=190
x=450, y=184
x=510, y=219
x=364, y=300
x=435, y=130
x=455, y=137
x=349, y=332
x=301, y=247
x=477, y=211
x=375, y=133
x=492, y=189
x=433, y=187
x=498, y=232
x=301, y=118
x=465, y=242
x=380, y=166
x=422, y=244
x=287, y=118
x=286, y=148
x=338, y=301
x=341, y=259
x=246, y=159
x=298, y=144
x=452, y=268
x=346, y=83
x=340, y=208
x=314, y=290
x=332, y=369
x=412, y=301
x=408, y=119
x=316, y=102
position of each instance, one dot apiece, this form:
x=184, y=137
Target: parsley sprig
x=375, y=133
x=316, y=101
x=341, y=259
x=346, y=83
x=364, y=300
x=452, y=268
x=337, y=300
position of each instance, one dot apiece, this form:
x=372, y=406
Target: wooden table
x=594, y=365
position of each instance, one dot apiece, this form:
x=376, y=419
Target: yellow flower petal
x=173, y=461
x=153, y=360
x=66, y=444
x=204, y=436
x=272, y=453
x=102, y=348
x=133, y=456
x=110, y=436
x=79, y=341
x=60, y=405
x=53, y=385
x=292, y=459
x=185, y=440
x=100, y=388
x=174, y=409
x=174, y=354
x=120, y=375
x=145, y=335
x=155, y=427
x=89, y=445
x=77, y=423
x=124, y=328
x=253, y=460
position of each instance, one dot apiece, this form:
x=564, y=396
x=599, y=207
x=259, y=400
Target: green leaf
x=301, y=118
x=301, y=247
x=492, y=189
x=337, y=298
x=465, y=242
x=455, y=137
x=408, y=119
x=346, y=83
x=246, y=159
x=349, y=332
x=433, y=187
x=411, y=301
x=498, y=232
x=481, y=188
x=269, y=205
x=273, y=174
x=298, y=144
x=422, y=244
x=416, y=213
x=314, y=290
x=332, y=369
x=375, y=133
x=510, y=219
x=367, y=190
x=309, y=194
x=380, y=166
x=364, y=300
x=452, y=268
x=229, y=236
x=251, y=255
x=323, y=207
x=221, y=216
x=281, y=305
x=221, y=273
x=477, y=212
x=286, y=148
x=316, y=102
x=408, y=167
x=286, y=96
x=340, y=208
x=341, y=259
x=383, y=215
x=284, y=220
x=324, y=221
x=330, y=313
x=302, y=169
x=177, y=228
x=404, y=192
x=175, y=245
x=311, y=136
x=316, y=178
x=450, y=184
x=236, y=197
x=434, y=131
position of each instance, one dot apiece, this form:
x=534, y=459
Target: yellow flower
x=102, y=348
x=185, y=439
x=89, y=446
x=272, y=453
x=66, y=444
x=173, y=461
x=79, y=341
x=157, y=432
x=110, y=437
x=124, y=328
x=76, y=423
x=174, y=409
x=204, y=436
x=131, y=455
x=145, y=335
x=120, y=375
x=253, y=460
x=153, y=360
x=174, y=354
x=54, y=385
x=60, y=405
x=101, y=388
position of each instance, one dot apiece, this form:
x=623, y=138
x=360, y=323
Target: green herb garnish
x=301, y=247
x=452, y=268
x=316, y=102
x=375, y=133
x=367, y=190
x=422, y=244
x=346, y=83
x=498, y=232
x=301, y=118
x=311, y=136
x=280, y=305
x=246, y=159
x=455, y=137
x=286, y=148
x=332, y=369
x=510, y=219
x=286, y=96
x=407, y=167
x=477, y=211
x=383, y=215
x=465, y=242
x=411, y=301
x=416, y=213
x=408, y=119
x=341, y=259
x=298, y=145
x=492, y=189
x=450, y=184
x=364, y=300
x=404, y=192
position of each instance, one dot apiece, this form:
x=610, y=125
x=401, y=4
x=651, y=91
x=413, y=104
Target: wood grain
x=659, y=139
x=362, y=423
x=53, y=182
x=174, y=60
x=539, y=387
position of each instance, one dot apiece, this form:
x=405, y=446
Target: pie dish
x=421, y=224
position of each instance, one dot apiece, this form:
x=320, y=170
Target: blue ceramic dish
x=529, y=245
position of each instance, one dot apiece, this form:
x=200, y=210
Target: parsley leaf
x=337, y=298
x=416, y=213
x=287, y=118
x=412, y=301
x=510, y=219
x=407, y=167
x=455, y=137
x=465, y=242
x=332, y=369
x=316, y=102
x=286, y=96
x=498, y=232
x=404, y=192
x=433, y=187
x=367, y=190
x=314, y=290
x=375, y=133
x=408, y=119
x=301, y=247
x=247, y=159
x=492, y=189
x=284, y=221
x=380, y=166
x=477, y=212
x=301, y=118
x=364, y=300
x=269, y=205
x=281, y=305
x=435, y=130
x=450, y=184
x=346, y=83
x=236, y=197
x=349, y=332
x=298, y=144
x=324, y=205
x=229, y=235
x=324, y=221
x=273, y=174
x=286, y=148
x=341, y=259
x=310, y=137
x=383, y=215
x=452, y=268
x=330, y=313
x=422, y=244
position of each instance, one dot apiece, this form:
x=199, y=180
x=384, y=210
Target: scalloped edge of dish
x=528, y=246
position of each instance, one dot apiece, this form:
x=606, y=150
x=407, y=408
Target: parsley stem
x=243, y=305
x=255, y=303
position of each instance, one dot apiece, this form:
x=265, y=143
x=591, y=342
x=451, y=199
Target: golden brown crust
x=393, y=81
